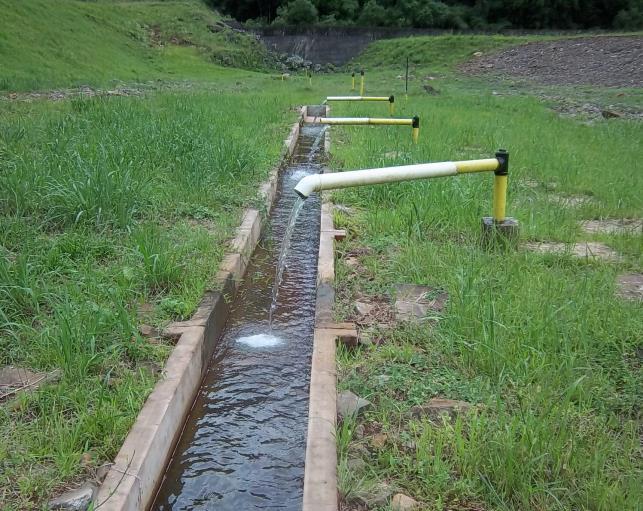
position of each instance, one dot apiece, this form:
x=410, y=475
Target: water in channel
x=243, y=445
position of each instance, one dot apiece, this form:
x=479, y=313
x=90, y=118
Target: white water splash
x=300, y=174
x=260, y=341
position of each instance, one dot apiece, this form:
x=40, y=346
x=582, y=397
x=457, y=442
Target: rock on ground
x=414, y=302
x=74, y=500
x=401, y=502
x=18, y=379
x=378, y=496
x=349, y=404
x=438, y=407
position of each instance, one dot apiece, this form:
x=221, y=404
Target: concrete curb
x=138, y=469
x=320, y=475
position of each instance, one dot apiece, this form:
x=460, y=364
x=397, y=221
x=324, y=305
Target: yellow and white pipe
x=413, y=122
x=364, y=120
x=390, y=99
x=359, y=98
x=336, y=180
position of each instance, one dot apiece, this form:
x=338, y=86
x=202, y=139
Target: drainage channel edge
x=320, y=471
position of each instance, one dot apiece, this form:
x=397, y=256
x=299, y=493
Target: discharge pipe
x=390, y=99
x=413, y=122
x=498, y=165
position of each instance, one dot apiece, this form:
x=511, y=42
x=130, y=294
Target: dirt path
x=615, y=61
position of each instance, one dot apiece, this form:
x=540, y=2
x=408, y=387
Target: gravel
x=611, y=61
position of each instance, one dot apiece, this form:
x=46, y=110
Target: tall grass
x=541, y=342
x=106, y=205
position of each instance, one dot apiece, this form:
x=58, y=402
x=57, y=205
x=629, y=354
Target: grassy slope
x=110, y=207
x=540, y=341
x=70, y=43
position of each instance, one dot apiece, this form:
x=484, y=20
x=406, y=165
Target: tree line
x=447, y=14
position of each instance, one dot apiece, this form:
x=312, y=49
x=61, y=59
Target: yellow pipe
x=361, y=84
x=499, y=197
x=489, y=164
x=415, y=134
x=353, y=85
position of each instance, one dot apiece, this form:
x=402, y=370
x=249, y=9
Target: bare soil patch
x=612, y=226
x=630, y=286
x=615, y=61
x=19, y=379
x=589, y=250
x=571, y=201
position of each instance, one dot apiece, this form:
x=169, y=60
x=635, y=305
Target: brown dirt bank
x=611, y=61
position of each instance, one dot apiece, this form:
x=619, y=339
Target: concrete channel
x=161, y=466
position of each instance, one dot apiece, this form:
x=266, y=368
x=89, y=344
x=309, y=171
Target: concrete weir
x=138, y=468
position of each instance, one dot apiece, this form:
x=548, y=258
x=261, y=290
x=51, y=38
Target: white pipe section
x=319, y=182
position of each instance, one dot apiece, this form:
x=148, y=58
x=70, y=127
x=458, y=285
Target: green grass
x=70, y=43
x=540, y=343
x=108, y=205
x=112, y=206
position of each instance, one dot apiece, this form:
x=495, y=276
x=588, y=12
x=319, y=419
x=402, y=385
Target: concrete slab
x=320, y=477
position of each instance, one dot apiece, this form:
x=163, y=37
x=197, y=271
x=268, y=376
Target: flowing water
x=283, y=253
x=299, y=202
x=243, y=445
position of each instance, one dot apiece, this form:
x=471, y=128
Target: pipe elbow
x=308, y=185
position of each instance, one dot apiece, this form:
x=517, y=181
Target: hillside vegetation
x=456, y=14
x=71, y=43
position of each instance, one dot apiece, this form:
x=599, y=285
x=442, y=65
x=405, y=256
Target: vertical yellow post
x=353, y=79
x=499, y=197
x=500, y=186
x=391, y=105
x=415, y=132
x=361, y=83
